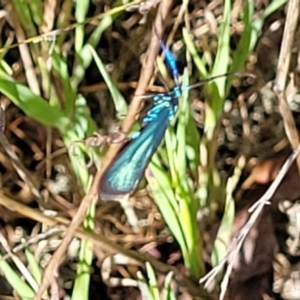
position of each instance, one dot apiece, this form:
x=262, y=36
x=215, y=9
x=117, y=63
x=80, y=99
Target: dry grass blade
x=35, y=239
x=282, y=73
x=2, y=119
x=25, y=54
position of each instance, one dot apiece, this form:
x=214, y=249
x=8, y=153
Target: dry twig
x=282, y=73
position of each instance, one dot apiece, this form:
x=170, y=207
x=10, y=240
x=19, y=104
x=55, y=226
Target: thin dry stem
x=25, y=54
x=282, y=73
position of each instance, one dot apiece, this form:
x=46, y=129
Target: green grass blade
x=174, y=199
x=23, y=289
x=188, y=139
x=82, y=281
x=168, y=292
x=36, y=7
x=243, y=49
x=119, y=101
x=81, y=9
x=144, y=287
x=258, y=24
x=225, y=229
x=85, y=56
x=33, y=106
x=24, y=14
x=163, y=193
x=193, y=51
x=216, y=89
x=223, y=55
x=33, y=266
x=153, y=285
x=60, y=70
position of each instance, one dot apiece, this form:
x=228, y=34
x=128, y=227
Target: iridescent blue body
x=171, y=62
x=123, y=175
